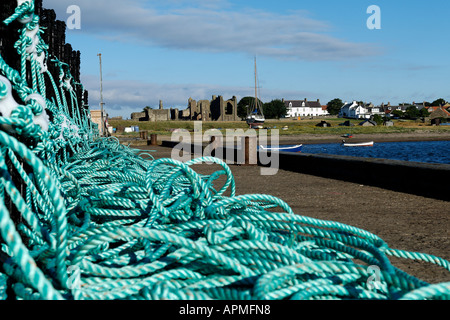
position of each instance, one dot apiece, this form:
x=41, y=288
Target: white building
x=350, y=110
x=355, y=110
x=304, y=108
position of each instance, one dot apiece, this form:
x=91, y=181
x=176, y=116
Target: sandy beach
x=407, y=222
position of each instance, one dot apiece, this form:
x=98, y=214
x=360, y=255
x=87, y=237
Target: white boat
x=296, y=148
x=255, y=115
x=357, y=144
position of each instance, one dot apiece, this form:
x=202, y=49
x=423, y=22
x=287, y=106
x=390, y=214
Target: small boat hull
x=296, y=148
x=255, y=121
x=360, y=144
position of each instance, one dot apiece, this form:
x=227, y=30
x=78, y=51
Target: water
x=422, y=151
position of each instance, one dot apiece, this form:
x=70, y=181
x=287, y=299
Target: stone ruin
x=217, y=109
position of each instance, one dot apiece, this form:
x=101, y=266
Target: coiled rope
x=84, y=217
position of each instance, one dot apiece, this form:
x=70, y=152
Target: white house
x=355, y=110
x=304, y=108
x=349, y=110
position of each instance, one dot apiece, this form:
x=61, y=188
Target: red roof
x=432, y=109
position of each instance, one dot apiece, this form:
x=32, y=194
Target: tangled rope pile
x=84, y=217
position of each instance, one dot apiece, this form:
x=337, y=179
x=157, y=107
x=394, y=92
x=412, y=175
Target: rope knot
x=24, y=12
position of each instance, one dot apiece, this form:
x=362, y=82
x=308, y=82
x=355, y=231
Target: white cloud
x=124, y=97
x=200, y=26
x=212, y=26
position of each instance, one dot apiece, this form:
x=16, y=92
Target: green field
x=295, y=127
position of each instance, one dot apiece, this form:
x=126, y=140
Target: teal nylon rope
x=84, y=217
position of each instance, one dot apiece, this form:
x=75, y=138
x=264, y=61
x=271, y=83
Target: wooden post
x=144, y=135
x=213, y=151
x=153, y=139
x=214, y=142
x=250, y=151
x=247, y=150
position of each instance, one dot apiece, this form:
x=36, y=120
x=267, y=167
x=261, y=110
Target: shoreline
x=380, y=137
x=332, y=138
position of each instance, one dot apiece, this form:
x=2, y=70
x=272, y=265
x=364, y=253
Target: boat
x=295, y=148
x=255, y=116
x=358, y=144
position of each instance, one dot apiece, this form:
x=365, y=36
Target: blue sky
x=175, y=49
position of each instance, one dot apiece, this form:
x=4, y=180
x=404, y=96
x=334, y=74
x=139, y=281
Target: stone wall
x=158, y=115
x=217, y=109
x=138, y=116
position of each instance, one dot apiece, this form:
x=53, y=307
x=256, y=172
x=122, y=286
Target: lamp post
x=101, y=96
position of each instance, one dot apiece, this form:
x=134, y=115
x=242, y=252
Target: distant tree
x=424, y=113
x=334, y=106
x=378, y=119
x=275, y=109
x=398, y=113
x=244, y=104
x=412, y=112
x=438, y=102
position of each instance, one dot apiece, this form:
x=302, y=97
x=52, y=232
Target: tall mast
x=256, y=92
x=101, y=96
x=258, y=109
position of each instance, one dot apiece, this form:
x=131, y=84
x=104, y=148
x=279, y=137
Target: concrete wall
x=428, y=180
x=422, y=179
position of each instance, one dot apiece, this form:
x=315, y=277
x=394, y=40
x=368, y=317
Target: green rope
x=84, y=217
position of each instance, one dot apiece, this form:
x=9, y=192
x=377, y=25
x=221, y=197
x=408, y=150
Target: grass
x=295, y=127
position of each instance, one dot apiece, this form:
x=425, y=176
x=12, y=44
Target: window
x=229, y=108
